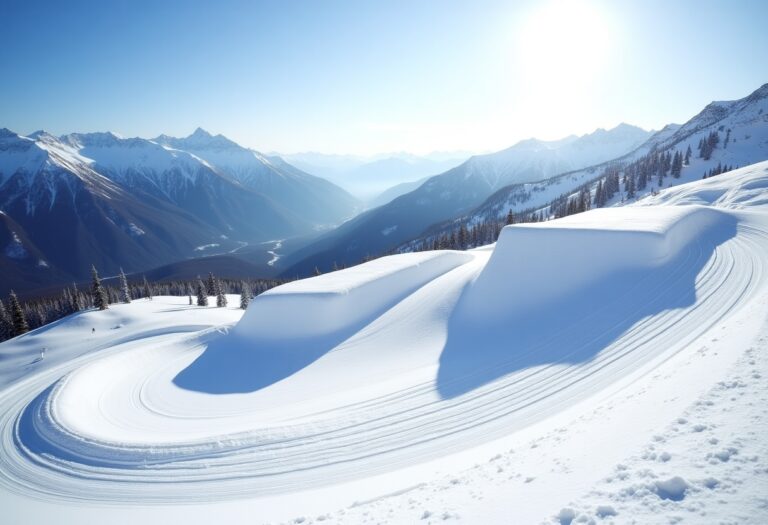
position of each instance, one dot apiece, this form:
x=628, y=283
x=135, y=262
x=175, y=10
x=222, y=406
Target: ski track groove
x=374, y=435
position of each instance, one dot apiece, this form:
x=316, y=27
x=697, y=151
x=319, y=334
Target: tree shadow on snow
x=576, y=326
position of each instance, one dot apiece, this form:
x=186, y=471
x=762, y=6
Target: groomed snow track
x=412, y=383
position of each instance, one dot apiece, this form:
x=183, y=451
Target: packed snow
x=607, y=366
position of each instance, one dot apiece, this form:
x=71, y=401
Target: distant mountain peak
x=758, y=94
x=200, y=133
x=199, y=139
x=6, y=133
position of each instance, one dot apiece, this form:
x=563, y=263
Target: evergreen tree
x=147, y=288
x=245, y=295
x=77, y=303
x=462, y=238
x=510, y=218
x=125, y=293
x=6, y=325
x=221, y=298
x=18, y=319
x=688, y=153
x=202, y=297
x=97, y=291
x=211, y=285
x=677, y=165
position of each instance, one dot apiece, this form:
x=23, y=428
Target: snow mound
x=335, y=301
x=737, y=189
x=536, y=263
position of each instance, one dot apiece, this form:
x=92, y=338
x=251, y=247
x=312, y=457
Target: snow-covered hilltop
x=604, y=365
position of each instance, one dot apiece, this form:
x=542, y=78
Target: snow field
x=429, y=363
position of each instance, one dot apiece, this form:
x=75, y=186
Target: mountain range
x=70, y=201
x=457, y=191
x=742, y=127
x=97, y=198
x=373, y=180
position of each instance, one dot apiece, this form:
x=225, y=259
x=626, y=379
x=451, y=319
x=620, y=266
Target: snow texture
x=608, y=366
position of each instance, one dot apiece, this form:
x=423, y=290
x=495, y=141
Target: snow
x=340, y=300
x=135, y=230
x=491, y=386
x=15, y=249
x=745, y=118
x=206, y=247
x=535, y=160
x=569, y=254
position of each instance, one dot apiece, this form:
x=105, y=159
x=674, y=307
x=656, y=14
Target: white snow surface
x=609, y=366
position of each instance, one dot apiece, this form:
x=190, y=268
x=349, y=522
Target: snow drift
x=539, y=262
x=339, y=300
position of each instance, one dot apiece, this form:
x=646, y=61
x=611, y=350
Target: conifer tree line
x=625, y=180
x=708, y=144
x=18, y=317
x=717, y=170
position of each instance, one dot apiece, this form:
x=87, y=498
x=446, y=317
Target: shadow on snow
x=576, y=326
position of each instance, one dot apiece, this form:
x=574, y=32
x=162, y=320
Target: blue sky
x=367, y=77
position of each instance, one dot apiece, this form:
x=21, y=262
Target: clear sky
x=365, y=76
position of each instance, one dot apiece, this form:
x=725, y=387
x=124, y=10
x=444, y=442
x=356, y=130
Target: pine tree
x=77, y=303
x=97, y=291
x=245, y=295
x=147, y=288
x=211, y=285
x=510, y=218
x=125, y=293
x=688, y=153
x=202, y=297
x=18, y=319
x=462, y=238
x=6, y=325
x=221, y=299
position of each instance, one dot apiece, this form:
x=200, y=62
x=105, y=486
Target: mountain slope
x=458, y=191
x=366, y=178
x=742, y=127
x=314, y=199
x=100, y=199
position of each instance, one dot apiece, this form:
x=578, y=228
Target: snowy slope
x=97, y=198
x=458, y=386
x=313, y=198
x=534, y=160
x=458, y=191
x=744, y=121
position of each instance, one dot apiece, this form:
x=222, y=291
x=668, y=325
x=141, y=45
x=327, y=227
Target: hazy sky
x=365, y=77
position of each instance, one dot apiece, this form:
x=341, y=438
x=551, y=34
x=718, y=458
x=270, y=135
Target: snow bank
x=332, y=302
x=536, y=263
x=745, y=187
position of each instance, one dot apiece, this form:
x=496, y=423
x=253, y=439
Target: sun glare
x=562, y=49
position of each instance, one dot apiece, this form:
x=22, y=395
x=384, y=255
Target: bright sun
x=562, y=49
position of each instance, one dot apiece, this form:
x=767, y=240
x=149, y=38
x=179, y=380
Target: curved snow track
x=409, y=384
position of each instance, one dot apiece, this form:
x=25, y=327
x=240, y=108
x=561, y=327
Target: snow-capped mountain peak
x=199, y=140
